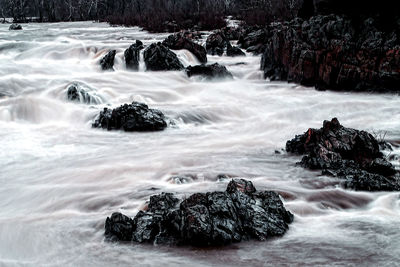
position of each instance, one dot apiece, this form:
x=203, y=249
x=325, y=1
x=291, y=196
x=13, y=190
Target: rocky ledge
x=346, y=153
x=182, y=40
x=205, y=219
x=331, y=52
x=131, y=117
x=209, y=71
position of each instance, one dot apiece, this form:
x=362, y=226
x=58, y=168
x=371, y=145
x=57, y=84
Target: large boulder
x=209, y=71
x=205, y=219
x=159, y=58
x=347, y=153
x=82, y=93
x=15, y=27
x=132, y=55
x=180, y=41
x=131, y=117
x=216, y=43
x=107, y=62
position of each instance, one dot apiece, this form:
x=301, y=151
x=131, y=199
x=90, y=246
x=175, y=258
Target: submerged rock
x=180, y=41
x=15, y=27
x=80, y=92
x=209, y=71
x=205, y=219
x=107, y=62
x=347, y=153
x=131, y=117
x=132, y=55
x=234, y=51
x=158, y=58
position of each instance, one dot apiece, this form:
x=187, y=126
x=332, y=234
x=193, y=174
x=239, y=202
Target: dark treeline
x=156, y=15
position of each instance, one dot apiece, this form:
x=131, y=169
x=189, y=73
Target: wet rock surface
x=216, y=43
x=82, y=93
x=107, y=62
x=209, y=71
x=131, y=117
x=346, y=153
x=331, y=52
x=182, y=41
x=234, y=51
x=15, y=27
x=205, y=219
x=158, y=57
x=132, y=55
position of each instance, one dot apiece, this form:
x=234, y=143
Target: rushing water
x=60, y=178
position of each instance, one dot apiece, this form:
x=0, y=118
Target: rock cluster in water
x=205, y=219
x=347, y=153
x=181, y=41
x=158, y=57
x=329, y=52
x=209, y=71
x=131, y=117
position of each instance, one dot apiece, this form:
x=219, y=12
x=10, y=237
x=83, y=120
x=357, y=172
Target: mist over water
x=60, y=178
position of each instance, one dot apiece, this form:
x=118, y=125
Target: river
x=60, y=178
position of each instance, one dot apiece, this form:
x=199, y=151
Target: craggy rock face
x=132, y=55
x=180, y=41
x=205, y=219
x=107, y=62
x=216, y=43
x=346, y=153
x=209, y=71
x=329, y=52
x=158, y=58
x=132, y=117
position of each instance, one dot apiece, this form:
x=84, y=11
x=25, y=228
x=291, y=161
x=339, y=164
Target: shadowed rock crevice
x=205, y=219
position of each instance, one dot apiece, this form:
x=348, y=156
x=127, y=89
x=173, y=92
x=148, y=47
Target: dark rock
x=234, y=51
x=206, y=219
x=80, y=92
x=254, y=39
x=331, y=52
x=347, y=153
x=15, y=27
x=132, y=55
x=180, y=41
x=216, y=43
x=132, y=117
x=159, y=58
x=119, y=227
x=107, y=62
x=209, y=71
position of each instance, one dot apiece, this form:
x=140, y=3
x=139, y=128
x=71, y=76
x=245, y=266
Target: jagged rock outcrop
x=181, y=41
x=205, y=219
x=15, y=27
x=158, y=57
x=209, y=71
x=132, y=55
x=216, y=43
x=107, y=62
x=82, y=93
x=331, y=52
x=131, y=117
x=349, y=154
